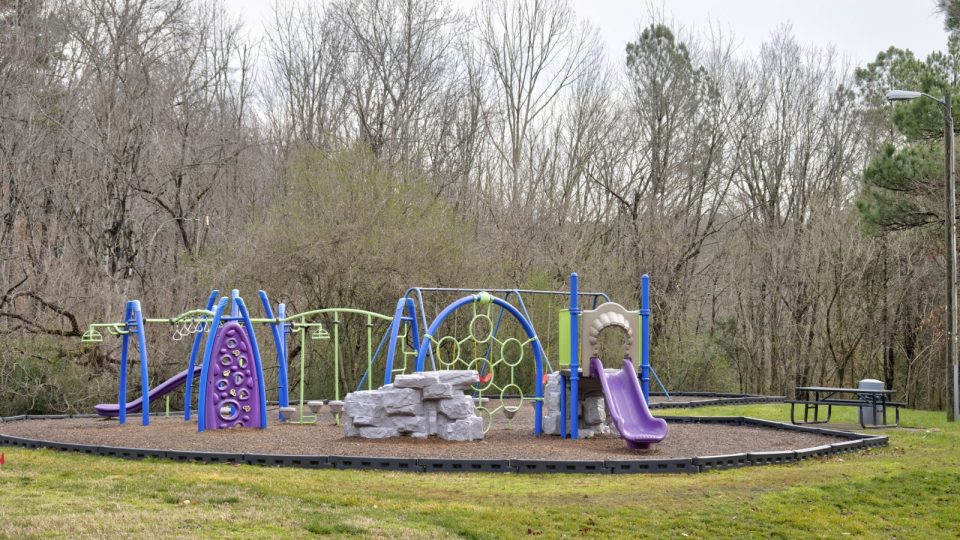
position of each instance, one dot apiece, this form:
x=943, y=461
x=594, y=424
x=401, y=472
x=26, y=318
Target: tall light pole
x=950, y=223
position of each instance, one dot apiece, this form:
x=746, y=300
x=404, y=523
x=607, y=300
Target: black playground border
x=850, y=442
x=711, y=399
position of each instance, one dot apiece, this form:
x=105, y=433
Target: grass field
x=908, y=490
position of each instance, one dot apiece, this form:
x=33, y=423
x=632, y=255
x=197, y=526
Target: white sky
x=859, y=29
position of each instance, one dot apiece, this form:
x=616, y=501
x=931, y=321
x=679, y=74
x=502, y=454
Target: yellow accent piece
x=484, y=297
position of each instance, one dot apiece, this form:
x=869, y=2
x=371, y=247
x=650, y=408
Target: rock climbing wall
x=416, y=405
x=233, y=387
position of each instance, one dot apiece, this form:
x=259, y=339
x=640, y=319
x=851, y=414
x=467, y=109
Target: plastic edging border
x=274, y=460
x=669, y=465
x=376, y=463
x=713, y=399
x=556, y=466
x=849, y=442
x=464, y=465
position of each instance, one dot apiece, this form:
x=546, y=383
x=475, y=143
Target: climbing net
x=499, y=361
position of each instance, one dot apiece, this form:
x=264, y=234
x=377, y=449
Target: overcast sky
x=857, y=28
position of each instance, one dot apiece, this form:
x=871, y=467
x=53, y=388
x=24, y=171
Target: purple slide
x=112, y=409
x=627, y=406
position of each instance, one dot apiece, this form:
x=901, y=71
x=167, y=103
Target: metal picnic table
x=814, y=397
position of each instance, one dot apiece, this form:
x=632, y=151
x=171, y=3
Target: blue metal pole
x=242, y=308
x=234, y=308
x=395, y=325
x=124, y=358
x=645, y=336
x=574, y=405
x=283, y=385
x=662, y=387
x=144, y=371
x=197, y=340
x=204, y=371
x=279, y=343
x=414, y=325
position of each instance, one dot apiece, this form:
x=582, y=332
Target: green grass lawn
x=909, y=490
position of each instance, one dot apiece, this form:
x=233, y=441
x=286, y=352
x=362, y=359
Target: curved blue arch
x=124, y=354
x=256, y=359
x=404, y=304
x=205, y=370
x=279, y=332
x=487, y=298
x=133, y=323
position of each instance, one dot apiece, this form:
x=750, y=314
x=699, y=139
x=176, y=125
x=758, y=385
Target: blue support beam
x=645, y=337
x=574, y=356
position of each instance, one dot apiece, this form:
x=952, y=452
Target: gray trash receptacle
x=871, y=415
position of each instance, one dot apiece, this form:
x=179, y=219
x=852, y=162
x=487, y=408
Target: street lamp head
x=902, y=95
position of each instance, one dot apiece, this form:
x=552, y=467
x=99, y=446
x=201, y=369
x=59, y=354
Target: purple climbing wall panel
x=233, y=387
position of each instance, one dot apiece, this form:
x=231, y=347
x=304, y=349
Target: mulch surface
x=505, y=440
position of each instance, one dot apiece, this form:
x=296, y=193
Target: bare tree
x=534, y=51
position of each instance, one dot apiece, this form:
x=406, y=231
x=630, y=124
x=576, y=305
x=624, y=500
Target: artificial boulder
x=416, y=405
x=592, y=407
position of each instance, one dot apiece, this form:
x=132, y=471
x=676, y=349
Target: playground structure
x=231, y=390
x=511, y=362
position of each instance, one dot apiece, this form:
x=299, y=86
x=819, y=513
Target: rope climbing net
x=498, y=360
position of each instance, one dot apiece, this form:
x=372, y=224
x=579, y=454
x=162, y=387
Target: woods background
x=789, y=217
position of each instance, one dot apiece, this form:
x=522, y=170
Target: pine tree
x=903, y=183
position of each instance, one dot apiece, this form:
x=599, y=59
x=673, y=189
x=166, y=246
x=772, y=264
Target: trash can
x=870, y=415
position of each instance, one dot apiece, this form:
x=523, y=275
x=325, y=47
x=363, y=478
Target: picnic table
x=814, y=397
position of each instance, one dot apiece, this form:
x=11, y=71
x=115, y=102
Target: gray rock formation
x=592, y=408
x=461, y=379
x=421, y=379
x=439, y=391
x=416, y=405
x=401, y=401
x=457, y=407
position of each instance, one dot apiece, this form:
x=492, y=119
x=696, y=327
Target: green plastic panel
x=564, y=334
